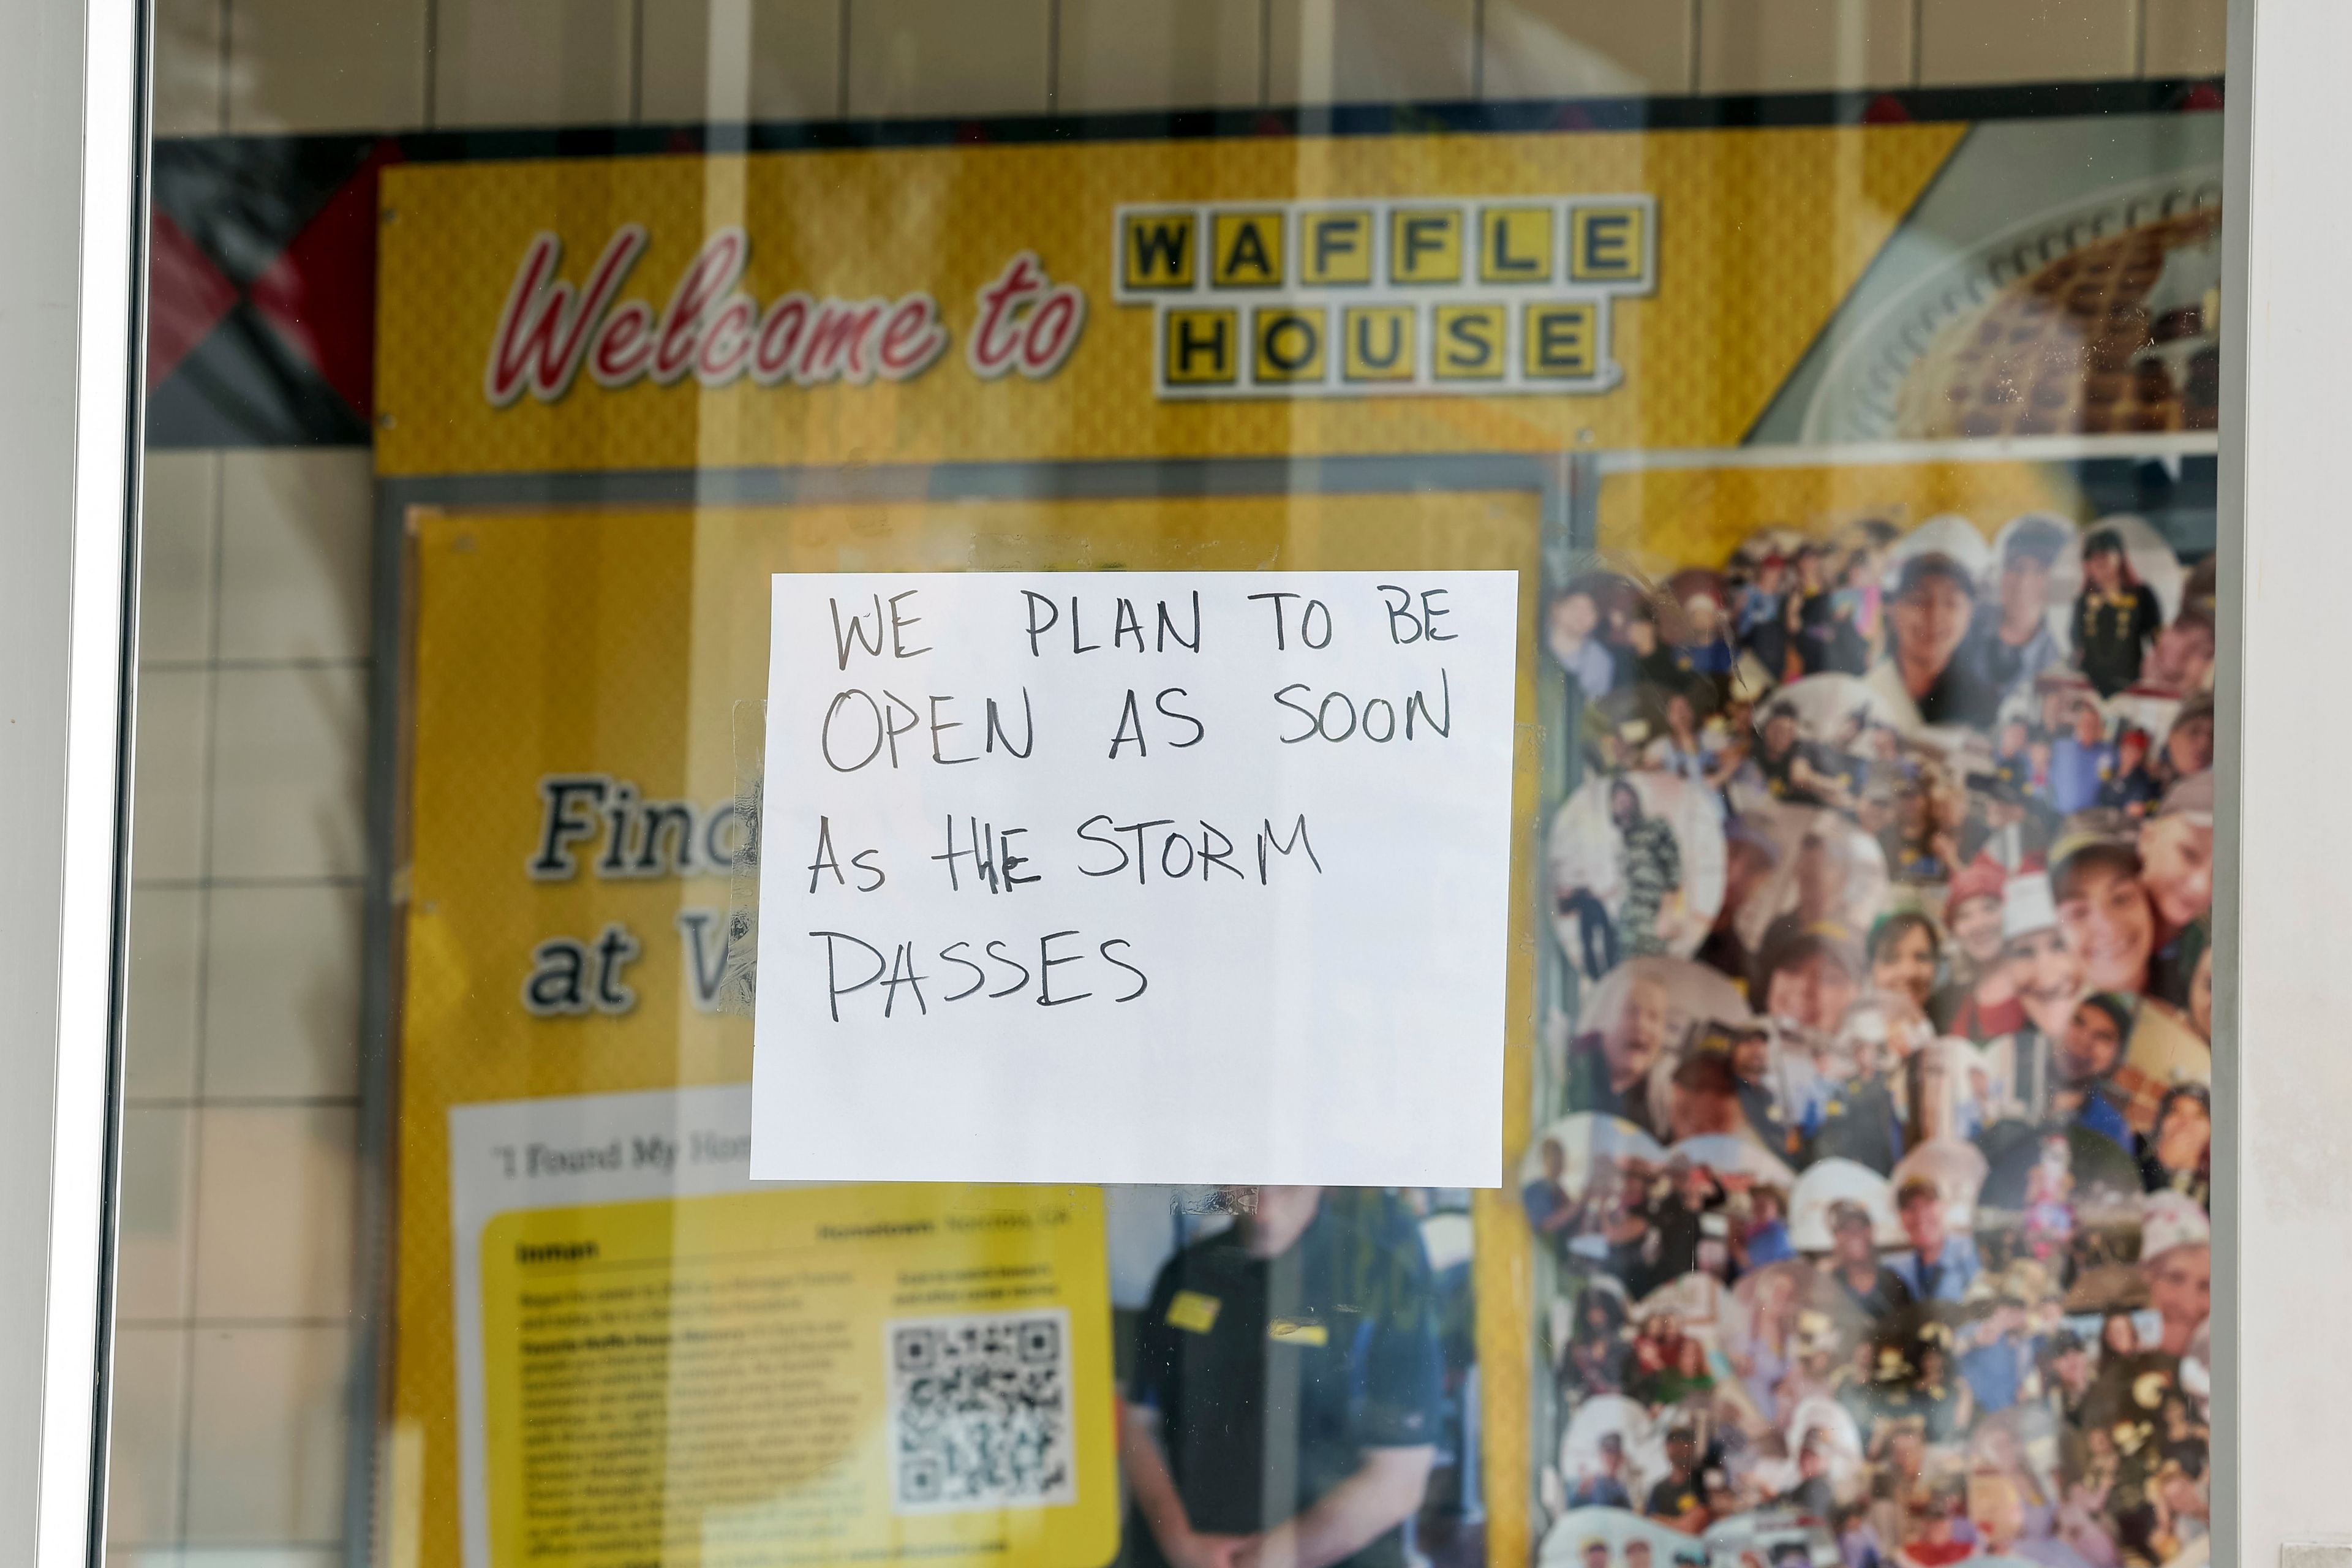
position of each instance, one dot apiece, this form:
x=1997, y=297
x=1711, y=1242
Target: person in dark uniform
x=2134, y=789
x=1287, y=1384
x=1860, y=1119
x=1813, y=609
x=2115, y=616
x=1680, y=1499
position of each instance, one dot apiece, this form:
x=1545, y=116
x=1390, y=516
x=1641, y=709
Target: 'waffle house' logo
x=1350, y=300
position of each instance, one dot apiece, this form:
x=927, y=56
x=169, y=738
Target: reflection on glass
x=1871, y=1192
x=1854, y=448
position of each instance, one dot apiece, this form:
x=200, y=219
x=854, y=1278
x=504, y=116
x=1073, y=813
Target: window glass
x=1713, y=1069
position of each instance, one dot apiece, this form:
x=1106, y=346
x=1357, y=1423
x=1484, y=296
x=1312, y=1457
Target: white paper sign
x=1136, y=877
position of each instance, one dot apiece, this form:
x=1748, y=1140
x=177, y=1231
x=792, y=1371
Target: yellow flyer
x=670, y=1365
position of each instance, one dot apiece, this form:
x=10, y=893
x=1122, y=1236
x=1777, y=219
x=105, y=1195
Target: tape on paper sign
x=1136, y=877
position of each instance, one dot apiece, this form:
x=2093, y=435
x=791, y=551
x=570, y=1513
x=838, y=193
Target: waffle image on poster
x=2121, y=336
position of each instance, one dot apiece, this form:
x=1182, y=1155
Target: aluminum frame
x=73, y=146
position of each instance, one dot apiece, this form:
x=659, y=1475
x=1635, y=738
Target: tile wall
x=234, y=1329
x=236, y=1334
x=254, y=66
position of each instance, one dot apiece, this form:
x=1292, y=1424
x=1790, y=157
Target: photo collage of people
x=1868, y=1173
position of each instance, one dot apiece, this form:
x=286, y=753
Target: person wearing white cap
x=2020, y=1065
x=2137, y=1398
x=2176, y=1260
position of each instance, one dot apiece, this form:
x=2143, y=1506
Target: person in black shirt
x=1861, y=1119
x=1932, y=606
x=1675, y=1215
x=1783, y=760
x=2115, y=616
x=1646, y=659
x=1599, y=1358
x=1288, y=1383
x=1813, y=613
x=1680, y=1499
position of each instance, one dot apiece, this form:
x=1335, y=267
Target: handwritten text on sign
x=1136, y=877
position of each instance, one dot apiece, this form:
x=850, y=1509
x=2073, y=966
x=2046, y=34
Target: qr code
x=980, y=1412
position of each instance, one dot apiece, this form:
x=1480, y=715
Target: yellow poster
x=1146, y=300
x=612, y=1347
x=1615, y=363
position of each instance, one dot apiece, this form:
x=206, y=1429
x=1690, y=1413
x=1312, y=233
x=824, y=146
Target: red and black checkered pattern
x=261, y=290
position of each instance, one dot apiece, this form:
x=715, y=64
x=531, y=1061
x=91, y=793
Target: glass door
x=1363, y=782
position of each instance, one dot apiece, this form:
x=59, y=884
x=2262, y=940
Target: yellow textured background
x=619, y=641
x=1761, y=233
x=1662, y=520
